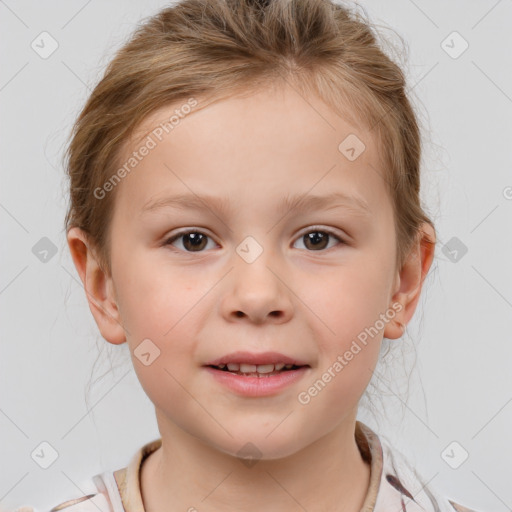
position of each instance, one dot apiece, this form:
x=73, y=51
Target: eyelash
x=313, y=229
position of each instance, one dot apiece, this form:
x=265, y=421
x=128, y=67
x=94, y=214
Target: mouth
x=261, y=370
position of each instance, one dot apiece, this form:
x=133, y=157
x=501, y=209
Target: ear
x=410, y=280
x=98, y=287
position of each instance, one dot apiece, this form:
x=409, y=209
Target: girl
x=245, y=215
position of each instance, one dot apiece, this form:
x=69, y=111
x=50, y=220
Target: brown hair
x=220, y=48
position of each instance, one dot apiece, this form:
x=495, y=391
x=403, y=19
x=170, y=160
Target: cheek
x=349, y=306
x=348, y=299
x=160, y=316
x=165, y=384
x=154, y=296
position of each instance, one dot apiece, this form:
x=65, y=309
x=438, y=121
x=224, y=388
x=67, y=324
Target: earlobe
x=98, y=287
x=411, y=278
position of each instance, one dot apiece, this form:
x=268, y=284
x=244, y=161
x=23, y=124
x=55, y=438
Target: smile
x=252, y=370
x=248, y=380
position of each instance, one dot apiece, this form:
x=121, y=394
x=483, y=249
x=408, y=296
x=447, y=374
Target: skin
x=306, y=302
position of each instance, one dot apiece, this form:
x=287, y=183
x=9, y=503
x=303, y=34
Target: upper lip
x=256, y=359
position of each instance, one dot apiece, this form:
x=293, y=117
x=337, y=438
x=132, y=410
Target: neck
x=187, y=474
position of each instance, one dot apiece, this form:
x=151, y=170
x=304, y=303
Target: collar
x=128, y=478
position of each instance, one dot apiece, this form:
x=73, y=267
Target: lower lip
x=258, y=386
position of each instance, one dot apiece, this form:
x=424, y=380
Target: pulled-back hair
x=219, y=48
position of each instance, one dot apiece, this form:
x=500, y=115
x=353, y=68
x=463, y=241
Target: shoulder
x=95, y=501
x=88, y=503
x=403, y=484
x=108, y=491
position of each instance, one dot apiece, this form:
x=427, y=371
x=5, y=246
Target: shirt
x=394, y=484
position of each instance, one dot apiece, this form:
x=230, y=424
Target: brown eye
x=317, y=240
x=193, y=241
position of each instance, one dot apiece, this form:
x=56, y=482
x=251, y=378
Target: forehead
x=256, y=148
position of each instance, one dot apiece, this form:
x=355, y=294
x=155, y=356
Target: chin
x=261, y=446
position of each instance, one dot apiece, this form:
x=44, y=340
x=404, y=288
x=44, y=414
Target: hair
x=220, y=48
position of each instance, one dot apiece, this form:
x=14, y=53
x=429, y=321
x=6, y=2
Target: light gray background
x=461, y=387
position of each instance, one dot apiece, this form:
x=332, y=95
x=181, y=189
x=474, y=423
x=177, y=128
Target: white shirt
x=394, y=485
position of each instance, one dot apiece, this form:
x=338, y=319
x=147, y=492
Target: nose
x=257, y=292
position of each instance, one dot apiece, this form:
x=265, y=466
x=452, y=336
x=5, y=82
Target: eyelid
x=186, y=231
x=328, y=230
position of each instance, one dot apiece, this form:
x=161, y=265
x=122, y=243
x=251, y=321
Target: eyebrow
x=299, y=203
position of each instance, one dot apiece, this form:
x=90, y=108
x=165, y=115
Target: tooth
x=247, y=368
x=265, y=368
x=252, y=369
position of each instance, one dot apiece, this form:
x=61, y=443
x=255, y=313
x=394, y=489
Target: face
x=257, y=274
